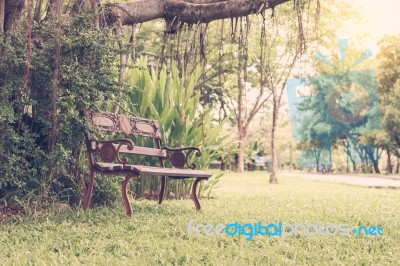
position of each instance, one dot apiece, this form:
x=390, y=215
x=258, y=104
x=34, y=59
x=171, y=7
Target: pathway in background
x=378, y=182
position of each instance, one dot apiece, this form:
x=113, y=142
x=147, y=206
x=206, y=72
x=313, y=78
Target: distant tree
x=389, y=90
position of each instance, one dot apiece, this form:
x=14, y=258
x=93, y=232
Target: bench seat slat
x=172, y=172
x=112, y=167
x=159, y=171
x=137, y=150
x=143, y=151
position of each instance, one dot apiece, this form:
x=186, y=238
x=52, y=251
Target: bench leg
x=128, y=207
x=89, y=191
x=194, y=193
x=162, y=190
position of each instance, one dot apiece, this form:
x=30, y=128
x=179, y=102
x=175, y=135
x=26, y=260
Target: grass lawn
x=158, y=234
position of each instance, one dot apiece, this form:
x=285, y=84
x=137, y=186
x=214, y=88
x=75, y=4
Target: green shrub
x=87, y=79
x=170, y=98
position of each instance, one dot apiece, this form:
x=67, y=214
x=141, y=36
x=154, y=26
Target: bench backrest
x=114, y=123
x=127, y=125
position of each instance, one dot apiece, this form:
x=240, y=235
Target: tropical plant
x=169, y=98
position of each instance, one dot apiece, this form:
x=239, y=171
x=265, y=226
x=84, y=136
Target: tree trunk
x=398, y=166
x=222, y=165
x=376, y=167
x=123, y=60
x=373, y=159
x=161, y=60
x=12, y=13
x=38, y=11
x=242, y=145
x=389, y=161
x=240, y=116
x=56, y=11
x=317, y=156
x=274, y=161
x=290, y=158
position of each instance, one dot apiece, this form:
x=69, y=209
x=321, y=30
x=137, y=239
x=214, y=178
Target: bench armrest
x=129, y=145
x=179, y=156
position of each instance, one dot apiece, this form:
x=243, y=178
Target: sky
x=380, y=17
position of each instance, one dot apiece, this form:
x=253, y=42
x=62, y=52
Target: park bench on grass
x=106, y=156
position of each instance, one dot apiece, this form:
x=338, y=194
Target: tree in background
x=283, y=50
x=320, y=131
x=389, y=89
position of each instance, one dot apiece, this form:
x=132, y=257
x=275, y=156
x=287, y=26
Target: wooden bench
x=106, y=156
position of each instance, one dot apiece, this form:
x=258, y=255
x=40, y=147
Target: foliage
x=87, y=78
x=170, y=99
x=389, y=88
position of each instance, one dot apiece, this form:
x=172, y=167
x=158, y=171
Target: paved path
x=366, y=181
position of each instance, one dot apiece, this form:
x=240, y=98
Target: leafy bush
x=87, y=78
x=170, y=98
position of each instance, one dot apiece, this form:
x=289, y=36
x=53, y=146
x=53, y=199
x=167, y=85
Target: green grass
x=157, y=234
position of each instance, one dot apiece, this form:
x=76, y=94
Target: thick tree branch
x=130, y=13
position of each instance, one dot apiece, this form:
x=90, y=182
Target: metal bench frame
x=105, y=156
